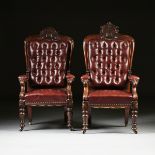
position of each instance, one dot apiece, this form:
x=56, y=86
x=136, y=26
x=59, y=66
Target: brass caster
x=135, y=131
x=71, y=128
x=30, y=123
x=84, y=131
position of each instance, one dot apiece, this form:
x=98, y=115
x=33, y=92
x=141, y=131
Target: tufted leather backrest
x=47, y=58
x=108, y=60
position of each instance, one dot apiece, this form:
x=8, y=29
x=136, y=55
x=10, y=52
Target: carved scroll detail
x=49, y=33
x=109, y=31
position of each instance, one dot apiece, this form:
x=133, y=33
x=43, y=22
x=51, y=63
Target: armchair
x=108, y=82
x=48, y=80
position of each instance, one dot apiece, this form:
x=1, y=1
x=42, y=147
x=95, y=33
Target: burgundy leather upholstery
x=108, y=62
x=47, y=62
x=109, y=97
x=46, y=96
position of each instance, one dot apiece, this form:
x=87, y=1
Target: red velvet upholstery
x=46, y=96
x=108, y=59
x=48, y=79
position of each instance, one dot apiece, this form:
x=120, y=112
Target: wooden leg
x=126, y=117
x=85, y=116
x=29, y=111
x=22, y=114
x=69, y=114
x=89, y=117
x=65, y=115
x=134, y=116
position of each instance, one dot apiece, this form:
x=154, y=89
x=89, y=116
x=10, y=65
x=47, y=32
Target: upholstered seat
x=109, y=97
x=48, y=79
x=46, y=96
x=108, y=82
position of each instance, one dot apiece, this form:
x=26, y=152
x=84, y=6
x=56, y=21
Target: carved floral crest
x=109, y=31
x=49, y=33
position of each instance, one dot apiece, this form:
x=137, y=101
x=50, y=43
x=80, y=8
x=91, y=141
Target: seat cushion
x=46, y=96
x=109, y=97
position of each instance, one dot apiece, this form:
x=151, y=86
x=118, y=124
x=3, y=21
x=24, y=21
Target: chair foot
x=21, y=128
x=135, y=131
x=126, y=124
x=85, y=116
x=71, y=128
x=84, y=131
x=22, y=115
x=30, y=123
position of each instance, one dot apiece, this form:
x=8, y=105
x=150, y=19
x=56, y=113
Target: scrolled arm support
x=85, y=80
x=22, y=80
x=70, y=78
x=134, y=80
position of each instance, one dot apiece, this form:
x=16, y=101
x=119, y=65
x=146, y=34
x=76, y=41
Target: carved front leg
x=22, y=114
x=134, y=115
x=29, y=111
x=85, y=112
x=69, y=114
x=22, y=80
x=69, y=107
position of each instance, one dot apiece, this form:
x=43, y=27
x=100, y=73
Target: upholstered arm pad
x=133, y=79
x=22, y=80
x=85, y=79
x=70, y=78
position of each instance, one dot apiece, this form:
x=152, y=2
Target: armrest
x=133, y=79
x=70, y=78
x=22, y=80
x=85, y=80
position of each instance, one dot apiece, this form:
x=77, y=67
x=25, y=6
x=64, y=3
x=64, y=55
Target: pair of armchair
x=108, y=82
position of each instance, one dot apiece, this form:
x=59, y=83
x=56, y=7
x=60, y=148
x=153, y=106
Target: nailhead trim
x=46, y=103
x=109, y=105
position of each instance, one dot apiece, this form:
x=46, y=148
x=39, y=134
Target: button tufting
x=108, y=62
x=48, y=55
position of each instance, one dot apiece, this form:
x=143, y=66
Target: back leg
x=29, y=111
x=126, y=117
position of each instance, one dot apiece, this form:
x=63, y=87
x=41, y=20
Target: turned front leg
x=69, y=114
x=22, y=114
x=85, y=112
x=29, y=111
x=134, y=115
x=126, y=117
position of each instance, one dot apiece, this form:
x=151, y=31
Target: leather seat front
x=40, y=96
x=109, y=97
